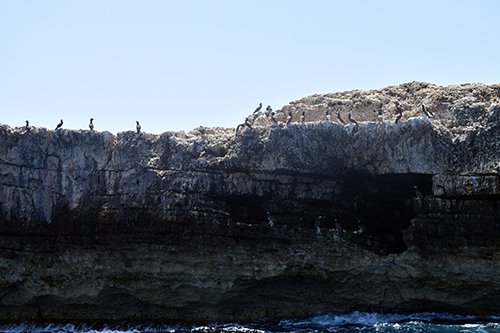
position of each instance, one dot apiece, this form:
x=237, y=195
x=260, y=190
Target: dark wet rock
x=212, y=225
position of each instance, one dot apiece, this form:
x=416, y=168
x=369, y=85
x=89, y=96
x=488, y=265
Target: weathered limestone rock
x=273, y=222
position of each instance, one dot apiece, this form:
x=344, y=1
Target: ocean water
x=346, y=323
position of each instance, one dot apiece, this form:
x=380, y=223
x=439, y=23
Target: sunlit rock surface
x=272, y=221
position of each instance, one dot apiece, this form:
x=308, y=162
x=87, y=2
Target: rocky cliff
x=271, y=221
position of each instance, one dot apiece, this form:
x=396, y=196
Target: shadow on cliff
x=370, y=210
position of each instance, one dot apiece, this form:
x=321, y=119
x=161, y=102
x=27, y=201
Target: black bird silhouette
x=269, y=110
x=138, y=126
x=380, y=116
x=340, y=118
x=27, y=127
x=258, y=108
x=400, y=114
x=426, y=112
x=59, y=125
x=351, y=119
x=303, y=117
x=238, y=128
x=246, y=123
x=274, y=122
x=91, y=125
x=289, y=118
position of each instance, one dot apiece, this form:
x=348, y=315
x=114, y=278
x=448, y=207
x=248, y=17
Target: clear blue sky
x=179, y=64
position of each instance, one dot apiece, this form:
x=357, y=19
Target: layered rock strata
x=272, y=221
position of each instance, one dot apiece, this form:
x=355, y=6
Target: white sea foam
x=336, y=322
x=237, y=328
x=373, y=318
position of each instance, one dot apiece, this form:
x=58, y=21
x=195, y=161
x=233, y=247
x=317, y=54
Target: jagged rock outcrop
x=274, y=221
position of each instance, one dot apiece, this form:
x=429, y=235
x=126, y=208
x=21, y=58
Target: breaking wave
x=336, y=322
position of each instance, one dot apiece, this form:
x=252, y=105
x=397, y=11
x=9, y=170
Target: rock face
x=272, y=221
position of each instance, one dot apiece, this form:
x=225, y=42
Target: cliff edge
x=270, y=221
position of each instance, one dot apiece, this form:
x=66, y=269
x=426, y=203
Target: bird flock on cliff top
x=27, y=127
x=269, y=113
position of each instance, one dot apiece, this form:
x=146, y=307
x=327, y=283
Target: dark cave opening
x=246, y=208
x=380, y=207
x=371, y=210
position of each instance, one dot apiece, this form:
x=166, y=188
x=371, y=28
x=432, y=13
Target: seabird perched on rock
x=274, y=122
x=351, y=119
x=91, y=125
x=426, y=112
x=269, y=110
x=258, y=108
x=340, y=118
x=138, y=126
x=59, y=125
x=289, y=118
x=419, y=195
x=380, y=116
x=400, y=114
x=328, y=116
x=27, y=127
x=419, y=198
x=247, y=123
x=238, y=128
x=303, y=117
